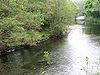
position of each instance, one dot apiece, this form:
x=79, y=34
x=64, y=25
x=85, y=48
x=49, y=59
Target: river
x=76, y=54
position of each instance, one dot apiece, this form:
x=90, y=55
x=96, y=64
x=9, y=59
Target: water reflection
x=93, y=29
x=4, y=58
x=83, y=47
x=68, y=56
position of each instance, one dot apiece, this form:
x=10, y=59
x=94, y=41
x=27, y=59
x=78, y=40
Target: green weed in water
x=87, y=60
x=46, y=53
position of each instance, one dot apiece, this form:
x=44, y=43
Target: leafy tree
x=92, y=11
x=29, y=21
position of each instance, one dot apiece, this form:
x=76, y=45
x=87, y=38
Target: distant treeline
x=30, y=21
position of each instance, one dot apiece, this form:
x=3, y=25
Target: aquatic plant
x=46, y=53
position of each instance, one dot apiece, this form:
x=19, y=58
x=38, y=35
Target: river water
x=76, y=54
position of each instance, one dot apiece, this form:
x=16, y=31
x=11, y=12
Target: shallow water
x=77, y=54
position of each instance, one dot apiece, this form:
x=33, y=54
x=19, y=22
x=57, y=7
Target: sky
x=79, y=2
x=76, y=0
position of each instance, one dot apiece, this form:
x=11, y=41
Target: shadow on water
x=92, y=30
x=67, y=56
x=4, y=58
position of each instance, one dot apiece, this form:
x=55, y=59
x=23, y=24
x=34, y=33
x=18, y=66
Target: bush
x=26, y=21
x=92, y=11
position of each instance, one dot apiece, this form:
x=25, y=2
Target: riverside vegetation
x=28, y=22
x=92, y=11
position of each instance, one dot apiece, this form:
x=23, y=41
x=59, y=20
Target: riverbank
x=67, y=55
x=92, y=12
x=44, y=40
x=31, y=22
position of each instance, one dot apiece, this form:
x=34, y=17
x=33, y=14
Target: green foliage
x=92, y=8
x=46, y=53
x=27, y=21
x=92, y=11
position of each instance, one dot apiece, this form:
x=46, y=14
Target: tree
x=92, y=11
x=29, y=21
